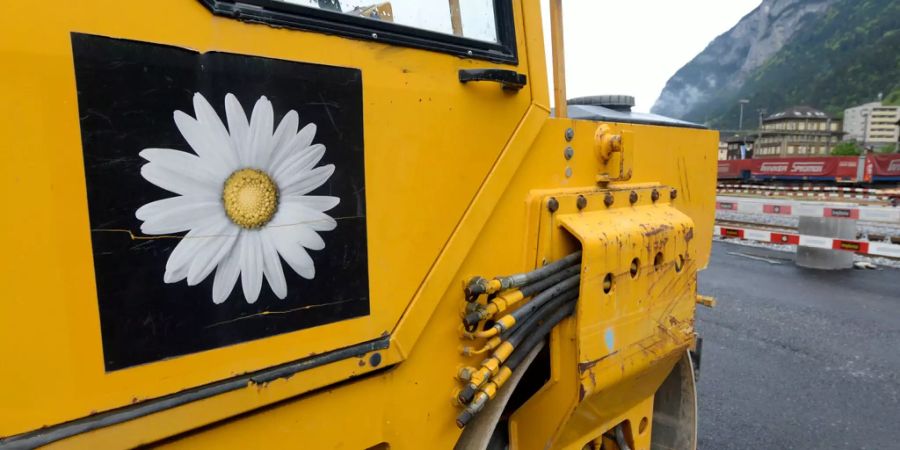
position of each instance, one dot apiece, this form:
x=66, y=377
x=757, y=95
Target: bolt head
x=654, y=195
x=633, y=197
x=673, y=193
x=552, y=204
x=570, y=133
x=581, y=202
x=569, y=152
x=608, y=200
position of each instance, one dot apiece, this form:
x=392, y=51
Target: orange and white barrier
x=808, y=209
x=773, y=237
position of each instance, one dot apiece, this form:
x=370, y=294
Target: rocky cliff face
x=727, y=63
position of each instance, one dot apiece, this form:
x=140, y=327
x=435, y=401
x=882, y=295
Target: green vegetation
x=839, y=59
x=846, y=149
x=893, y=98
x=885, y=149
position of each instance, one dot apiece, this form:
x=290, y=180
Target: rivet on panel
x=673, y=193
x=569, y=152
x=608, y=200
x=633, y=197
x=581, y=202
x=552, y=204
x=570, y=133
x=654, y=195
x=568, y=172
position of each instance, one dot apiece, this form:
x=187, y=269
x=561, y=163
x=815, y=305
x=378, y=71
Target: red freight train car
x=839, y=169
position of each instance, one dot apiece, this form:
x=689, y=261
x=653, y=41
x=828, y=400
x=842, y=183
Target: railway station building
x=798, y=131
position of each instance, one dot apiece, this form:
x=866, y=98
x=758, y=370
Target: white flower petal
x=297, y=143
x=208, y=257
x=183, y=163
x=201, y=140
x=176, y=214
x=285, y=132
x=292, y=212
x=317, y=202
x=261, y=122
x=180, y=260
x=296, y=257
x=218, y=135
x=299, y=234
x=251, y=266
x=306, y=182
x=177, y=182
x=272, y=265
x=228, y=271
x=299, y=163
x=238, y=128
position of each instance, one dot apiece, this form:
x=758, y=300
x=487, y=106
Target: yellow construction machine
x=338, y=224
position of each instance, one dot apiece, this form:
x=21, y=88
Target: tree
x=885, y=149
x=846, y=149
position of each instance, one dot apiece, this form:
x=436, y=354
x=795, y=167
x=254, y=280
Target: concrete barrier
x=823, y=258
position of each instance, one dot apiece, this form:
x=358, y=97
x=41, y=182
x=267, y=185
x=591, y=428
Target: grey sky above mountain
x=632, y=47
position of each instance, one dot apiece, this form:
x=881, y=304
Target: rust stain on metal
x=657, y=230
x=585, y=366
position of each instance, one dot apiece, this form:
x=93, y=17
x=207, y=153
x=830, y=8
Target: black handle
x=508, y=79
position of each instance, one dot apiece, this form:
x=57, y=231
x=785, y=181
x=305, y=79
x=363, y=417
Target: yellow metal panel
x=457, y=178
x=418, y=117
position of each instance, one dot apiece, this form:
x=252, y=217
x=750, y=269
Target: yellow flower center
x=250, y=198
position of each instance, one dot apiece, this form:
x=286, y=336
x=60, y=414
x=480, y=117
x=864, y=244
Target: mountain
x=830, y=54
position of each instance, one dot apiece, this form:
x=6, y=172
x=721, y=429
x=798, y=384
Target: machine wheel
x=675, y=409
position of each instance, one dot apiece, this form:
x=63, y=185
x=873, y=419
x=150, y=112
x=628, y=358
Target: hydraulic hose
x=490, y=389
x=505, y=300
x=545, y=296
x=539, y=334
x=532, y=320
x=491, y=365
x=479, y=285
x=524, y=327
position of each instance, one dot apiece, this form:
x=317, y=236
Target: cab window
x=480, y=29
x=472, y=19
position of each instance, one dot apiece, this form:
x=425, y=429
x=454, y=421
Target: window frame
x=305, y=18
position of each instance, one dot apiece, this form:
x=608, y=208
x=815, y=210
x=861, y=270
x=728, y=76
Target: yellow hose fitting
x=503, y=352
x=503, y=302
x=486, y=333
x=489, y=390
x=506, y=322
x=502, y=376
x=493, y=286
x=488, y=346
x=491, y=364
x=465, y=373
x=479, y=377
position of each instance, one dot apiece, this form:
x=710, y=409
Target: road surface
x=795, y=358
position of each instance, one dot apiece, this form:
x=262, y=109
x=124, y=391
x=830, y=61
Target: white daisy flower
x=242, y=198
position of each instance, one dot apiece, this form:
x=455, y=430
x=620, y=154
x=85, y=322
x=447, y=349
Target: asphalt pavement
x=796, y=358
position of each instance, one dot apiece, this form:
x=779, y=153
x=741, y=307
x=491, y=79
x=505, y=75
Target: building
x=872, y=124
x=734, y=144
x=798, y=131
x=723, y=150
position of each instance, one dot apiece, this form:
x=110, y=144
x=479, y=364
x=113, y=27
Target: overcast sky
x=632, y=47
